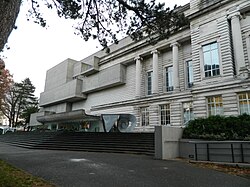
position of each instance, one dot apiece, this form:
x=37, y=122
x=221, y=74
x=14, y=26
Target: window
x=188, y=113
x=165, y=114
x=169, y=79
x=149, y=83
x=211, y=60
x=145, y=116
x=215, y=106
x=244, y=103
x=190, y=74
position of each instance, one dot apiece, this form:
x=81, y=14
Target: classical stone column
x=138, y=76
x=237, y=41
x=175, y=53
x=248, y=47
x=155, y=80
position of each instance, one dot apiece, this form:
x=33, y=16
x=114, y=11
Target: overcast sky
x=34, y=50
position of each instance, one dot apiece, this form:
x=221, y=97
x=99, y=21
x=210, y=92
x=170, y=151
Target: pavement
x=88, y=169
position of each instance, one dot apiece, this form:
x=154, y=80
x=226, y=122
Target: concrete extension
x=167, y=142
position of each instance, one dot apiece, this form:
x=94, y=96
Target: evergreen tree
x=19, y=99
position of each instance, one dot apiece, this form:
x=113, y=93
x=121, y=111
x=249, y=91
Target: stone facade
x=199, y=71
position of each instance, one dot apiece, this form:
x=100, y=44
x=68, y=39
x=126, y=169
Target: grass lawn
x=13, y=177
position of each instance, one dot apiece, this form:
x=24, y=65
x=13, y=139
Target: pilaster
x=175, y=54
x=237, y=41
x=155, y=80
x=138, y=76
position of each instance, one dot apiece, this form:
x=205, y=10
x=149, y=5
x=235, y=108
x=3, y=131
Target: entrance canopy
x=67, y=117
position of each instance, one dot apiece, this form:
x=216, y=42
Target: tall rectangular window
x=149, y=83
x=165, y=114
x=190, y=74
x=211, y=60
x=244, y=103
x=145, y=116
x=169, y=79
x=215, y=106
x=188, y=113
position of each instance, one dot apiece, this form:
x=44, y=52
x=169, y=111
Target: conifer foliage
x=19, y=100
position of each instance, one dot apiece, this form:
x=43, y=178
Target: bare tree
x=18, y=98
x=100, y=19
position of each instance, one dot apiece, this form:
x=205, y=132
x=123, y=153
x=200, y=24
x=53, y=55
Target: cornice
x=139, y=45
x=208, y=8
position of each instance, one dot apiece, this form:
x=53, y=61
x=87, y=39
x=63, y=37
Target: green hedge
x=219, y=128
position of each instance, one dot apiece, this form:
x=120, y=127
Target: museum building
x=199, y=71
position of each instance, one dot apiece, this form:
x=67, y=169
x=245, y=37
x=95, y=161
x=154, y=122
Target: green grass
x=13, y=177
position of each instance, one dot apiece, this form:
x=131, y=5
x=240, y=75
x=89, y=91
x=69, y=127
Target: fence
x=216, y=151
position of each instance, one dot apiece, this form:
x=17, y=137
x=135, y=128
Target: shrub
x=219, y=128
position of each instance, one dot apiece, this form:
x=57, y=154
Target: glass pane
x=149, y=83
x=209, y=100
x=243, y=96
x=206, y=48
x=207, y=59
x=215, y=105
x=211, y=60
x=189, y=72
x=214, y=46
x=187, y=112
x=244, y=103
x=218, y=99
x=169, y=77
x=215, y=57
x=144, y=116
x=165, y=114
x=208, y=74
x=214, y=72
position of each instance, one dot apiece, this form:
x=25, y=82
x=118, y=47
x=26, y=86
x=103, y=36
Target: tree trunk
x=9, y=10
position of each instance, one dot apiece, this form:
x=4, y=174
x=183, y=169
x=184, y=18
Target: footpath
x=88, y=169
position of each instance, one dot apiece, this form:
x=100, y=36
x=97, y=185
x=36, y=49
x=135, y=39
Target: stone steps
x=134, y=143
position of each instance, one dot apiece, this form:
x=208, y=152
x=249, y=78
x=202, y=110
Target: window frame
x=144, y=110
x=191, y=103
x=188, y=85
x=247, y=99
x=165, y=79
x=202, y=44
x=165, y=110
x=147, y=82
x=214, y=102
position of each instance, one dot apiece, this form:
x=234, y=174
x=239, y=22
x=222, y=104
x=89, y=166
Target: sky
x=33, y=49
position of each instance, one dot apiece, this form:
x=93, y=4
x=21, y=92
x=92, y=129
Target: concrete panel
x=60, y=74
x=70, y=91
x=167, y=142
x=33, y=122
x=107, y=78
x=208, y=28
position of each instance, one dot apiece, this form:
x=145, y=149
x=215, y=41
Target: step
x=137, y=143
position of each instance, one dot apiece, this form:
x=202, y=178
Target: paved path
x=83, y=169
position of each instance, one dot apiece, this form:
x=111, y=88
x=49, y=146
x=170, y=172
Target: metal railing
x=222, y=151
